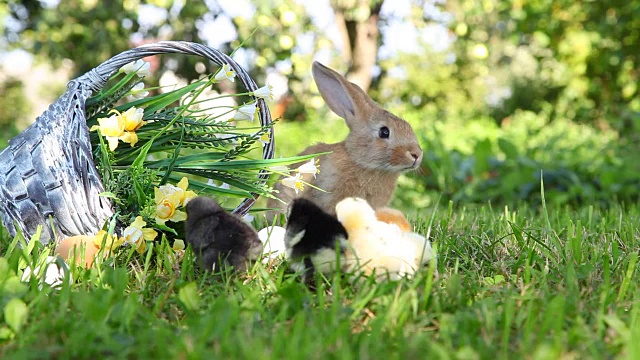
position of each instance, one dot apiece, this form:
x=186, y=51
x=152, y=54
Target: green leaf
x=165, y=228
x=6, y=333
x=162, y=101
x=5, y=270
x=495, y=280
x=482, y=153
x=112, y=90
x=507, y=147
x=200, y=186
x=13, y=287
x=189, y=296
x=15, y=314
x=618, y=325
x=108, y=194
x=204, y=157
x=233, y=165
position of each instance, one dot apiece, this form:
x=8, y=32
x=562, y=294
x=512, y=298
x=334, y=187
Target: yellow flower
x=121, y=126
x=109, y=242
x=166, y=208
x=132, y=118
x=111, y=128
x=178, y=246
x=188, y=194
x=169, y=189
x=129, y=137
x=137, y=235
x=169, y=197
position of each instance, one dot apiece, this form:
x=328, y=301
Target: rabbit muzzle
x=416, y=155
x=408, y=157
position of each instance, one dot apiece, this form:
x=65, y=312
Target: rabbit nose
x=416, y=154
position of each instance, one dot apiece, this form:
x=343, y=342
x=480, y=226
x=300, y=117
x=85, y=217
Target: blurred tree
x=279, y=36
x=90, y=32
x=357, y=21
x=567, y=59
x=13, y=108
x=575, y=60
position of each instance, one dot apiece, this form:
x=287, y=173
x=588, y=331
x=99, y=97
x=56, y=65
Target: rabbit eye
x=384, y=132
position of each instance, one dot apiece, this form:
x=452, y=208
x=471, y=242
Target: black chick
x=312, y=238
x=219, y=238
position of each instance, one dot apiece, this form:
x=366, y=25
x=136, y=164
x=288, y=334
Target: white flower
x=293, y=182
x=139, y=66
x=279, y=169
x=309, y=168
x=225, y=73
x=265, y=138
x=246, y=112
x=132, y=235
x=224, y=185
x=138, y=92
x=265, y=92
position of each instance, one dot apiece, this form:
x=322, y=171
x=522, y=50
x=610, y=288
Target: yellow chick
x=379, y=247
x=393, y=216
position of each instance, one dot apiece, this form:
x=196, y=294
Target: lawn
x=538, y=283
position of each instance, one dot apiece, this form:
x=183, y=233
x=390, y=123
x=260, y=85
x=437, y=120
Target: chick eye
x=384, y=132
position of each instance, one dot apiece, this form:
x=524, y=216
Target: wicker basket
x=47, y=173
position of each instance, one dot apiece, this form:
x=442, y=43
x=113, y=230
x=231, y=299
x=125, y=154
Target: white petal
x=291, y=182
x=308, y=168
x=137, y=87
x=279, y=169
x=139, y=66
x=225, y=73
x=265, y=92
x=246, y=112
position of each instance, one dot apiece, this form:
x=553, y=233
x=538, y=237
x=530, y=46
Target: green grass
x=543, y=283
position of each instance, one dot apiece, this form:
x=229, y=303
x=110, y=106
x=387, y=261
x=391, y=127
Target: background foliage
x=502, y=93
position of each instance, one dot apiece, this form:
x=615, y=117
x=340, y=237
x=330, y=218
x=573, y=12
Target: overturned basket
x=47, y=173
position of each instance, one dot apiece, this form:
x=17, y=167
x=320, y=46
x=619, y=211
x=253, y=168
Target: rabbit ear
x=346, y=99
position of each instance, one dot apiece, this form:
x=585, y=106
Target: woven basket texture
x=47, y=173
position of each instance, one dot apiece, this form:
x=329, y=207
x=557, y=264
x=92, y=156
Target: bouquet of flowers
x=155, y=153
x=109, y=164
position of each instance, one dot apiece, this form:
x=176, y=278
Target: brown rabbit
x=368, y=162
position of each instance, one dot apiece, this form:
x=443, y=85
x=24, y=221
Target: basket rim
x=32, y=191
x=98, y=77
